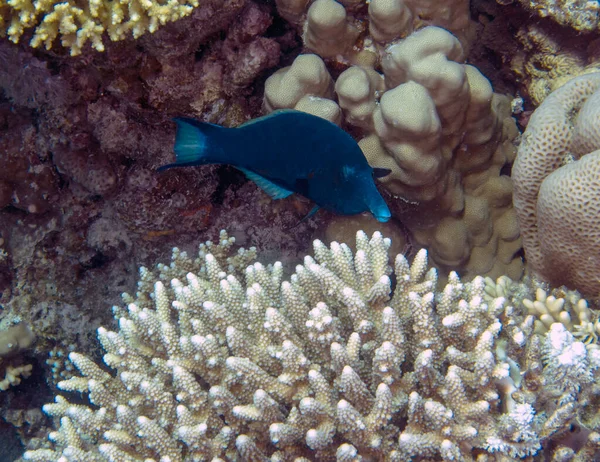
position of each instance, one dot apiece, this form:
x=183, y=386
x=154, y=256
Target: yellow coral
x=544, y=63
x=76, y=26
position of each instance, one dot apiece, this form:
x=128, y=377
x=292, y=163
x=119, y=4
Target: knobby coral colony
x=212, y=362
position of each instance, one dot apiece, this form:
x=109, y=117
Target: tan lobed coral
x=557, y=194
x=569, y=309
x=77, y=23
x=436, y=123
x=213, y=363
x=345, y=30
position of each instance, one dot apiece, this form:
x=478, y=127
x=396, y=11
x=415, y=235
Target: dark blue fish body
x=288, y=151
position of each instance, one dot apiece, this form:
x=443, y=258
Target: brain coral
x=557, y=188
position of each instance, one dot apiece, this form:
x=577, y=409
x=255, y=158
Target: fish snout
x=377, y=205
x=382, y=213
x=383, y=218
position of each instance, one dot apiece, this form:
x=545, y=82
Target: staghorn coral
x=76, y=24
x=548, y=58
x=556, y=187
x=211, y=362
x=436, y=123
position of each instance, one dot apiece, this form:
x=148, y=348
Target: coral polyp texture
x=435, y=122
x=211, y=362
x=544, y=62
x=581, y=15
x=77, y=23
x=557, y=194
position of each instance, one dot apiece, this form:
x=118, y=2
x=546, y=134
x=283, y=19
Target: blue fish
x=288, y=152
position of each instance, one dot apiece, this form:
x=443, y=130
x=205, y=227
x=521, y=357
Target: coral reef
x=556, y=187
x=352, y=357
x=581, y=15
x=80, y=198
x=567, y=308
x=351, y=31
x=76, y=26
x=13, y=342
x=547, y=59
x=27, y=181
x=211, y=361
x=437, y=125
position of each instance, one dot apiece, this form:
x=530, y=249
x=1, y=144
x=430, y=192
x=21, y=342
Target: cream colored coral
x=389, y=20
x=556, y=187
x=437, y=125
x=327, y=31
x=353, y=31
x=307, y=76
x=14, y=374
x=358, y=89
x=77, y=24
x=581, y=15
x=411, y=137
x=436, y=108
x=328, y=365
x=433, y=58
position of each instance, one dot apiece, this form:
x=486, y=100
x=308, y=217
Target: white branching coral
x=350, y=359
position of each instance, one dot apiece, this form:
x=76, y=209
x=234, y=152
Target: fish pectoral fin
x=273, y=190
x=308, y=215
x=311, y=213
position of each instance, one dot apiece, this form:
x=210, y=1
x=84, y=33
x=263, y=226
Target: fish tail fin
x=191, y=142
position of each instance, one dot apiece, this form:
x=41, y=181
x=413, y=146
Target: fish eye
x=381, y=172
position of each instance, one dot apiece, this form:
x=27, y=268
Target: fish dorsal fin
x=268, y=116
x=273, y=190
